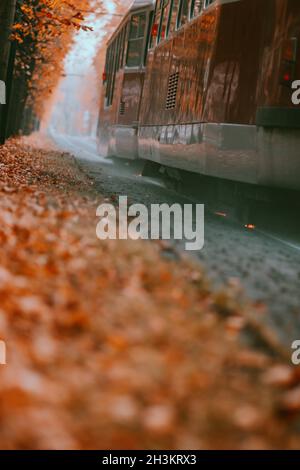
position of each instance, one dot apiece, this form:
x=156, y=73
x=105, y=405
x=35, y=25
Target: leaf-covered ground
x=113, y=345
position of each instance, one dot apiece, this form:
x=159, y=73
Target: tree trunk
x=7, y=14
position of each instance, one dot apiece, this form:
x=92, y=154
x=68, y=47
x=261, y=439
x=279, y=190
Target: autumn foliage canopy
x=43, y=31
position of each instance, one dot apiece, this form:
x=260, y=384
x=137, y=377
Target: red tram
x=206, y=86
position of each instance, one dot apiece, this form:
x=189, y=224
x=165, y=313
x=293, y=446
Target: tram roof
x=135, y=6
x=141, y=3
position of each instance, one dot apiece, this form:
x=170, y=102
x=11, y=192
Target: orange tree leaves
x=44, y=31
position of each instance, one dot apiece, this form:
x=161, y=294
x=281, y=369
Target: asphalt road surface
x=267, y=265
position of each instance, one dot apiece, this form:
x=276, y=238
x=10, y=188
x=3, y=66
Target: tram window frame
x=121, y=48
x=165, y=8
x=107, y=61
x=118, y=52
x=201, y=6
x=155, y=25
x=208, y=3
x=136, y=38
x=108, y=72
x=109, y=57
x=157, y=19
x=179, y=23
x=110, y=88
x=173, y=15
x=148, y=35
x=126, y=32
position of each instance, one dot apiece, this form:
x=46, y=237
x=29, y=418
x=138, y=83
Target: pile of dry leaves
x=109, y=344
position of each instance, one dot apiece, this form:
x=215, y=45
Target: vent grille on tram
x=172, y=90
x=122, y=108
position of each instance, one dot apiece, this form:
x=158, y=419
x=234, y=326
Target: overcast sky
x=86, y=44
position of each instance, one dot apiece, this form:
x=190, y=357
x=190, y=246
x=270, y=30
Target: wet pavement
x=266, y=265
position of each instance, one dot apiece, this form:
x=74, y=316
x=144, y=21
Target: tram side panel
x=229, y=111
x=278, y=119
x=124, y=133
x=195, y=131
x=107, y=118
x=213, y=127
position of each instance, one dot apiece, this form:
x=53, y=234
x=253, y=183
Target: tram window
x=155, y=25
x=134, y=26
x=136, y=40
x=121, y=48
x=164, y=20
x=142, y=25
x=196, y=7
x=148, y=37
x=173, y=16
x=107, y=60
x=183, y=15
x=208, y=2
x=124, y=45
x=111, y=73
x=108, y=69
x=118, y=52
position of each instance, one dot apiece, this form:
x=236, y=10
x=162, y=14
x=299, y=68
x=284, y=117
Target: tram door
x=134, y=71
